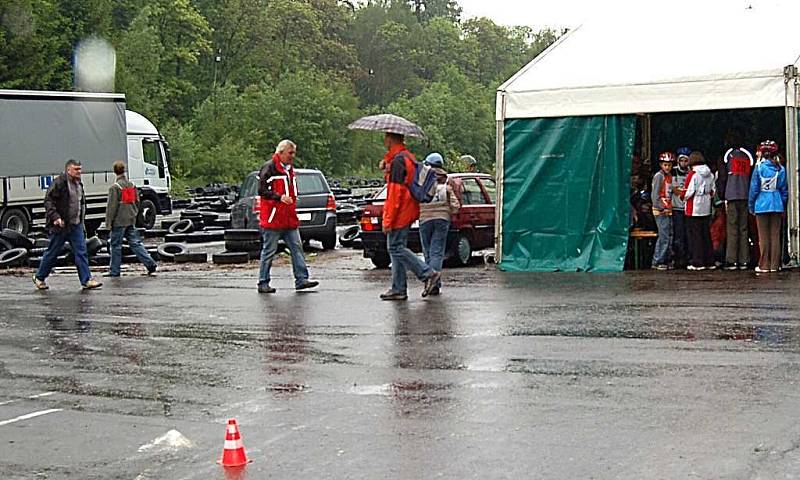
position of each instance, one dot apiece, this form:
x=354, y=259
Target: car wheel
x=381, y=260
x=329, y=240
x=348, y=236
x=16, y=219
x=147, y=214
x=462, y=251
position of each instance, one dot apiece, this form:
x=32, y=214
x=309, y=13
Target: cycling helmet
x=683, y=152
x=738, y=153
x=434, y=160
x=768, y=146
x=666, y=157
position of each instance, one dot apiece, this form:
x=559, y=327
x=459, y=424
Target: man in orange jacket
x=399, y=212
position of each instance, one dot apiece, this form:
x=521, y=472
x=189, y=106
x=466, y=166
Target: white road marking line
x=30, y=415
x=38, y=395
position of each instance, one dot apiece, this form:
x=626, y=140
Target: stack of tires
x=241, y=245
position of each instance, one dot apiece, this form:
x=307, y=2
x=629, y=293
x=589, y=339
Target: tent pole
x=793, y=222
x=499, y=155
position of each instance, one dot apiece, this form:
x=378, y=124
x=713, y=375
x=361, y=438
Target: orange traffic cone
x=233, y=453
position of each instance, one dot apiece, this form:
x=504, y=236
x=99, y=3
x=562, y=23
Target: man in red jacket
x=399, y=212
x=277, y=187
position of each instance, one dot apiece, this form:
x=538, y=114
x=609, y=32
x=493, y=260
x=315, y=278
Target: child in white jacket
x=698, y=194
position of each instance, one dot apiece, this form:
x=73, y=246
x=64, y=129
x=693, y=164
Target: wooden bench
x=637, y=235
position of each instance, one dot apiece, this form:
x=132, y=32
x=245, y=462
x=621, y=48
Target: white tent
x=669, y=57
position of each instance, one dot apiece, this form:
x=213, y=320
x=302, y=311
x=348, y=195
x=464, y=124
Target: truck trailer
x=40, y=131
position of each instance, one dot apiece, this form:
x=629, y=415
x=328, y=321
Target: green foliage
x=225, y=80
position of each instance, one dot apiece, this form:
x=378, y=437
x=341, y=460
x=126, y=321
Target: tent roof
x=674, y=56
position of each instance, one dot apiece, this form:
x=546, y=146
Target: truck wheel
x=147, y=214
x=16, y=219
x=381, y=260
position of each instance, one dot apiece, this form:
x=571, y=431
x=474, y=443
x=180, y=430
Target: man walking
x=121, y=212
x=399, y=211
x=65, y=209
x=277, y=187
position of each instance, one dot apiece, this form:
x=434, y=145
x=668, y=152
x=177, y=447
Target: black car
x=316, y=206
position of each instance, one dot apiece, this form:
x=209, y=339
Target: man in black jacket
x=65, y=208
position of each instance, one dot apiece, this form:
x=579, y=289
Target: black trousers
x=700, y=248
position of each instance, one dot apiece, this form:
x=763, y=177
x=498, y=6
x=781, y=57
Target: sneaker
x=435, y=292
x=430, y=282
x=110, y=275
x=265, y=289
x=742, y=266
x=660, y=267
x=774, y=270
x=92, y=284
x=40, y=284
x=730, y=266
x=761, y=270
x=392, y=295
x=711, y=267
x=692, y=267
x=307, y=284
x=152, y=270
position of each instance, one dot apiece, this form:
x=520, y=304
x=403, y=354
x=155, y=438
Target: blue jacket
x=768, y=189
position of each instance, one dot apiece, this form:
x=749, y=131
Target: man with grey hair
x=65, y=208
x=277, y=187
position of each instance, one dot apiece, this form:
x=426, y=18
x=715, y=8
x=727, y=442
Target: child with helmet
x=661, y=196
x=680, y=241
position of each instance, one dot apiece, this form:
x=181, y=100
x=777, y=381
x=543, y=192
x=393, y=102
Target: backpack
x=423, y=183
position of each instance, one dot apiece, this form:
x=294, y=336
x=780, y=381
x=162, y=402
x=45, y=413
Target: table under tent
x=570, y=122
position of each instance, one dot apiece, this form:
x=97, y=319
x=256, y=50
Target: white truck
x=40, y=131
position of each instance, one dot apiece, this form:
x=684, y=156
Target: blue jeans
x=402, y=259
x=129, y=232
x=269, y=245
x=433, y=237
x=74, y=235
x=661, y=253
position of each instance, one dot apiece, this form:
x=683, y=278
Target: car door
x=488, y=212
x=242, y=215
x=476, y=211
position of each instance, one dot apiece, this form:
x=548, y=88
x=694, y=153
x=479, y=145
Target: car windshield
x=311, y=183
x=249, y=187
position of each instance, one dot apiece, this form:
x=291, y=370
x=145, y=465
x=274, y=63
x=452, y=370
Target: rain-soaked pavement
x=643, y=375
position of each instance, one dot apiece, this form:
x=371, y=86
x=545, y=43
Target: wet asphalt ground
x=642, y=375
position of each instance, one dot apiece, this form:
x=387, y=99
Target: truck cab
x=148, y=168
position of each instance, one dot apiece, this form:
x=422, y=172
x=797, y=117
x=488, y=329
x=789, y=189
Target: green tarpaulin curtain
x=566, y=188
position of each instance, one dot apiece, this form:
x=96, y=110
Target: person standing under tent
x=661, y=196
x=698, y=193
x=767, y=201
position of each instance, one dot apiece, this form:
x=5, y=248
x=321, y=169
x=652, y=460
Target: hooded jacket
x=734, y=180
x=400, y=209
x=661, y=194
x=768, y=189
x=275, y=180
x=678, y=180
x=123, y=203
x=699, y=191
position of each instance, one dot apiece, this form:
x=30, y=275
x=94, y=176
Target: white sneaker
x=760, y=270
x=692, y=267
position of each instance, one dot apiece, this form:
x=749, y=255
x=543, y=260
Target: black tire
x=167, y=251
x=16, y=219
x=5, y=245
x=16, y=239
x=214, y=228
x=381, y=260
x=242, y=246
x=34, y=262
x=349, y=235
x=243, y=234
x=100, y=259
x=147, y=214
x=357, y=244
x=16, y=257
x=227, y=258
x=183, y=226
x=202, y=237
x=41, y=243
x=155, y=233
x=91, y=227
x=461, y=252
x=175, y=237
x=329, y=241
x=191, y=257
x=165, y=224
x=93, y=245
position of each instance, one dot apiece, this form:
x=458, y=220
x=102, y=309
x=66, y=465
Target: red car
x=471, y=228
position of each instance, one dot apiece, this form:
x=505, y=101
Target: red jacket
x=274, y=181
x=400, y=209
